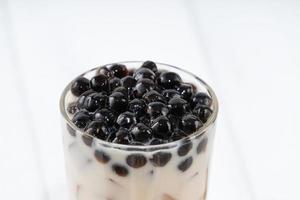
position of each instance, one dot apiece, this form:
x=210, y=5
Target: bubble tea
x=138, y=131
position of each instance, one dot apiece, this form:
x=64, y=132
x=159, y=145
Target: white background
x=247, y=50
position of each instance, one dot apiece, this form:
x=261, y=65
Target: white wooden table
x=247, y=50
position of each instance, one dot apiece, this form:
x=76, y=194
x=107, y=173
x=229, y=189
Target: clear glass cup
x=99, y=170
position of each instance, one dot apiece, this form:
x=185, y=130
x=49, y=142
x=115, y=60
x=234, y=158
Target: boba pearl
x=185, y=164
x=118, y=102
x=136, y=160
x=81, y=119
x=143, y=106
x=150, y=65
x=100, y=83
x=160, y=159
x=101, y=156
x=120, y=170
x=119, y=70
x=80, y=85
x=185, y=148
x=169, y=80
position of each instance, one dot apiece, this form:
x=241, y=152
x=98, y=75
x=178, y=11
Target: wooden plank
x=253, y=49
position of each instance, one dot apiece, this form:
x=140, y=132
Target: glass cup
x=100, y=170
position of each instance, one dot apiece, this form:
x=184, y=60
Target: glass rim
x=208, y=124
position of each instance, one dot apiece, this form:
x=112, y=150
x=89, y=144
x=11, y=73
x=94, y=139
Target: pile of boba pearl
x=145, y=106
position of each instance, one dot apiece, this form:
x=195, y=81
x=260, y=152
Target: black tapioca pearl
x=122, y=90
x=118, y=102
x=144, y=73
x=202, y=145
x=158, y=73
x=105, y=115
x=175, y=121
x=159, y=89
x=169, y=80
x=120, y=170
x=118, y=70
x=114, y=83
x=128, y=82
x=87, y=139
x=81, y=119
x=160, y=159
x=100, y=83
x=185, y=148
x=150, y=65
x=141, y=133
x=161, y=128
x=185, y=164
x=186, y=90
x=72, y=108
x=112, y=134
x=203, y=112
x=153, y=96
x=80, y=85
x=142, y=86
x=82, y=97
x=97, y=129
x=123, y=136
x=155, y=109
x=201, y=98
x=126, y=119
x=177, y=135
x=137, y=106
x=113, y=129
x=95, y=101
x=170, y=93
x=111, y=137
x=105, y=71
x=123, y=140
x=136, y=160
x=190, y=123
x=101, y=156
x=122, y=132
x=145, y=119
x=71, y=130
x=178, y=106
